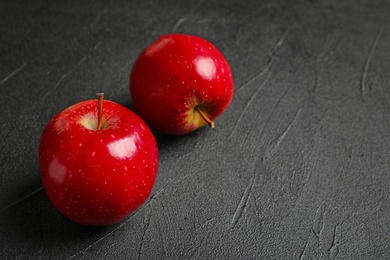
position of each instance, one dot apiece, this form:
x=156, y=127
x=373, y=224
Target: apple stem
x=205, y=118
x=99, y=111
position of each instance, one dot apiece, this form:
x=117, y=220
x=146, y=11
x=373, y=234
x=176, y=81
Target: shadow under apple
x=34, y=223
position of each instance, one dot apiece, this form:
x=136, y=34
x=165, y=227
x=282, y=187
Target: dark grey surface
x=297, y=167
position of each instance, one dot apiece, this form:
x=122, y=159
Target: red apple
x=180, y=83
x=98, y=162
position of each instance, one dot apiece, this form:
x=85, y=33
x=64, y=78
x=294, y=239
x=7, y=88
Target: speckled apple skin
x=97, y=177
x=173, y=75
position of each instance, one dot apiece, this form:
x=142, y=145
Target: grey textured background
x=297, y=167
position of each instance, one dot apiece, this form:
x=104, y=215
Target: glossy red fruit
x=180, y=83
x=97, y=176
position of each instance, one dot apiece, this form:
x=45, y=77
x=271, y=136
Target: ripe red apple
x=180, y=83
x=98, y=162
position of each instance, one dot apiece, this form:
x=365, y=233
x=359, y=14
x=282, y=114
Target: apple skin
x=97, y=177
x=174, y=75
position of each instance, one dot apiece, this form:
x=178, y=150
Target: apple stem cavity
x=99, y=111
x=205, y=118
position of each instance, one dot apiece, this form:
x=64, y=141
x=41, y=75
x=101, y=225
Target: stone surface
x=297, y=167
